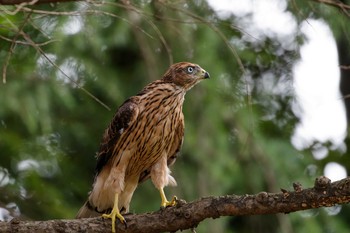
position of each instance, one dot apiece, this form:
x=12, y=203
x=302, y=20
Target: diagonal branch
x=189, y=215
x=336, y=3
x=29, y=2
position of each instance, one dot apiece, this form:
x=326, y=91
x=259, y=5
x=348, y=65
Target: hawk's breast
x=154, y=130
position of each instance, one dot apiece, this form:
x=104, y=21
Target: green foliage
x=238, y=128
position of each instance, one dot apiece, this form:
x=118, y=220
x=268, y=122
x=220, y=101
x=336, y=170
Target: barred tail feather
x=87, y=211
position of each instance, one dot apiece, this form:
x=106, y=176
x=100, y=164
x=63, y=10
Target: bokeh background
x=274, y=112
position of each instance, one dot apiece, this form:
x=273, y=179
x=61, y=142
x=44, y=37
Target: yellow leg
x=115, y=214
x=165, y=202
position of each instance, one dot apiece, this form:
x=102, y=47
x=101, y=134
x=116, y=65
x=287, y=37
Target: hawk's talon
x=169, y=203
x=115, y=213
x=173, y=201
x=165, y=203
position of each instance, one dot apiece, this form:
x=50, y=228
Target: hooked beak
x=205, y=74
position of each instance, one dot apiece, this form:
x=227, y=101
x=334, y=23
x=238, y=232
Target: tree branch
x=336, y=3
x=31, y=2
x=189, y=215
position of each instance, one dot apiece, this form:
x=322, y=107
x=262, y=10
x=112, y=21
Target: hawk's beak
x=205, y=74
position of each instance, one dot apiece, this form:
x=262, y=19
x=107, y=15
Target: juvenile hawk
x=141, y=142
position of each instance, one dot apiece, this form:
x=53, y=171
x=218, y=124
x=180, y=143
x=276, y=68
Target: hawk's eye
x=190, y=69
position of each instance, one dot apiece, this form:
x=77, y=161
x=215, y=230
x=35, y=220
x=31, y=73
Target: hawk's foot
x=165, y=202
x=115, y=213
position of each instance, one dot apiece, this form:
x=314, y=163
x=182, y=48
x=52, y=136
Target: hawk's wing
x=178, y=141
x=174, y=149
x=124, y=117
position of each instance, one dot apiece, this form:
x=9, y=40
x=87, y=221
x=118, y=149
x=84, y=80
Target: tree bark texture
x=189, y=215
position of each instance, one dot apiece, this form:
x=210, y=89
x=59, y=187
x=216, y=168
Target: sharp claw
x=165, y=203
x=174, y=201
x=113, y=217
x=115, y=213
x=124, y=222
x=169, y=203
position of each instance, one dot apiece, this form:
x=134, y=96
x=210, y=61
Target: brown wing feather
x=124, y=117
x=178, y=141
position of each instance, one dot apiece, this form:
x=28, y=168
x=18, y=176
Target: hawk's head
x=185, y=74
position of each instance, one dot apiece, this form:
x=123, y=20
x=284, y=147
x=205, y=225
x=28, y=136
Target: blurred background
x=274, y=112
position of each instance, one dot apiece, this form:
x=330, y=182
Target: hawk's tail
x=87, y=211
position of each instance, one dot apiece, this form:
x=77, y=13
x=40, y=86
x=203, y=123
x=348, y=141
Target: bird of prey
x=141, y=142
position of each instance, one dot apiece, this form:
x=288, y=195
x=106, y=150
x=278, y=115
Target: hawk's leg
x=165, y=202
x=160, y=175
x=115, y=214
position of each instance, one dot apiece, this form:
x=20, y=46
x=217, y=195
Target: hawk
x=141, y=142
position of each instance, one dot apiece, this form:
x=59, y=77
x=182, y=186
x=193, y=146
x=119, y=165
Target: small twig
x=26, y=2
x=39, y=49
x=342, y=6
x=19, y=7
x=9, y=54
x=26, y=43
x=346, y=97
x=344, y=67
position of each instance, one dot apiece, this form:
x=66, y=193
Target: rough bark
x=189, y=215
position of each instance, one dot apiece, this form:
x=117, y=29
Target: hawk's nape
x=141, y=142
